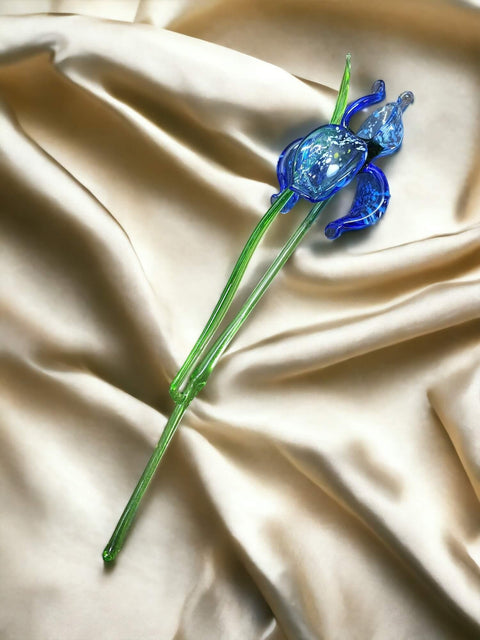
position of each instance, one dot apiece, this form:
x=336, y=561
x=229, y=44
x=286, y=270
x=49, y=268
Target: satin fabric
x=326, y=483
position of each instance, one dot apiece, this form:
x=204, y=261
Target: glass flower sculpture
x=314, y=168
x=328, y=158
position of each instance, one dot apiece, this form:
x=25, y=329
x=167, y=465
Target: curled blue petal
x=369, y=205
x=376, y=96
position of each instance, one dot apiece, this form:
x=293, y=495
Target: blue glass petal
x=369, y=205
x=325, y=161
x=377, y=95
x=284, y=173
x=384, y=126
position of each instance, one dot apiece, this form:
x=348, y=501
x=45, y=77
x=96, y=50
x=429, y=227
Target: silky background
x=326, y=483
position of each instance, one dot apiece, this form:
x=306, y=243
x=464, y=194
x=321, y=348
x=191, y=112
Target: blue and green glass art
x=313, y=168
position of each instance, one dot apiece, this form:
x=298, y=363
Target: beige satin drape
x=326, y=484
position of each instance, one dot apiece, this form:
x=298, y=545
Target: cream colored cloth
x=326, y=483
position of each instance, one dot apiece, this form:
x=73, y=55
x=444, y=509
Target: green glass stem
x=202, y=372
x=227, y=294
x=198, y=380
x=118, y=536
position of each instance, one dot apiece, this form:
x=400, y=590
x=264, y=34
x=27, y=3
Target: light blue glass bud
x=385, y=127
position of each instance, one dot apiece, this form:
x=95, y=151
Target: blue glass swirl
x=369, y=204
x=377, y=95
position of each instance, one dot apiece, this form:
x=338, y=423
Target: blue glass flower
x=330, y=157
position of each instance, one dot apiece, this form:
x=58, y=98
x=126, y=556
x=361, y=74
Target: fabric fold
x=325, y=484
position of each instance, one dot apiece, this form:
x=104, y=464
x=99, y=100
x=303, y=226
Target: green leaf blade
x=342, y=93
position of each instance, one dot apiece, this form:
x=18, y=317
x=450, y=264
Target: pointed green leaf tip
x=342, y=93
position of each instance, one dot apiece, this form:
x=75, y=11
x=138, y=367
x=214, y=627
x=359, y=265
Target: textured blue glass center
x=326, y=160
